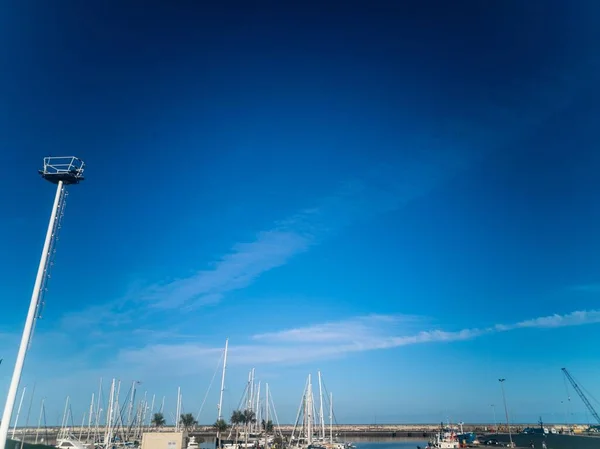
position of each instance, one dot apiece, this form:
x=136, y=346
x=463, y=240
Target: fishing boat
x=443, y=439
x=192, y=443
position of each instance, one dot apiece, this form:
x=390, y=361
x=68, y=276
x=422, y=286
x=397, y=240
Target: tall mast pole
x=97, y=417
x=321, y=417
x=151, y=409
x=37, y=431
x=506, y=410
x=249, y=389
x=309, y=411
x=252, y=387
x=109, y=416
x=331, y=418
x=90, y=417
x=177, y=409
x=64, y=419
x=59, y=171
x=258, y=416
x=220, y=415
x=130, y=406
x=266, y=404
x=33, y=305
x=18, y=412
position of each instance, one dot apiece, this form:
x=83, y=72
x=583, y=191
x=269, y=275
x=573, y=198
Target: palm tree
x=237, y=418
x=158, y=420
x=187, y=421
x=221, y=427
x=267, y=426
x=249, y=418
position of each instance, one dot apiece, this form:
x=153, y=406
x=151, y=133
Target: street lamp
x=62, y=171
x=505, y=410
x=495, y=421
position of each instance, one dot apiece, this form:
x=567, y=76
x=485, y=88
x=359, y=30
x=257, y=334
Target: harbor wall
x=552, y=441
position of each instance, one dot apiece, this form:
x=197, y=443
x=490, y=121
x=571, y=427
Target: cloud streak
x=380, y=189
x=377, y=192
x=337, y=339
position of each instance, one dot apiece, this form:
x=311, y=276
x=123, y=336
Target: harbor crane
x=585, y=400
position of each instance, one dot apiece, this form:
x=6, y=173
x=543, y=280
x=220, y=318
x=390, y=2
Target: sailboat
x=309, y=429
x=65, y=439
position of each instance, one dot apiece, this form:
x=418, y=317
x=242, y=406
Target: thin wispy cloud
x=337, y=339
x=237, y=269
x=433, y=160
x=381, y=190
x=340, y=331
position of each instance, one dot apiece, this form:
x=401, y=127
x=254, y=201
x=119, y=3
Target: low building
x=164, y=440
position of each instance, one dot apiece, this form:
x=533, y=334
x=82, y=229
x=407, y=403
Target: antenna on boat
x=62, y=171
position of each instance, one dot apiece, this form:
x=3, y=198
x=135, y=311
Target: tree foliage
x=187, y=421
x=221, y=426
x=158, y=420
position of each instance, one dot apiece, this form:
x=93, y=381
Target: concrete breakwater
x=48, y=436
x=552, y=441
x=342, y=432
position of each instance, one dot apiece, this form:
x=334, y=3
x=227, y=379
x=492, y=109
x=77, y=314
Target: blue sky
x=404, y=197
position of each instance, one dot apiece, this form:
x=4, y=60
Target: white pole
x=321, y=417
x=162, y=405
x=64, y=419
x=309, y=410
x=257, y=406
x=177, y=409
x=130, y=407
x=109, y=416
x=506, y=411
x=251, y=398
x=331, y=418
x=144, y=412
x=37, y=431
x=151, y=409
x=266, y=405
x=16, y=377
x=220, y=415
x=18, y=412
x=82, y=425
x=97, y=417
x=28, y=414
x=118, y=404
x=90, y=418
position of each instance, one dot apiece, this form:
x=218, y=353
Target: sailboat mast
x=90, y=417
x=64, y=418
x=97, y=417
x=257, y=406
x=37, y=431
x=151, y=409
x=252, y=388
x=109, y=416
x=220, y=416
x=18, y=412
x=130, y=407
x=266, y=404
x=331, y=418
x=177, y=409
x=117, y=407
x=309, y=411
x=321, y=417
